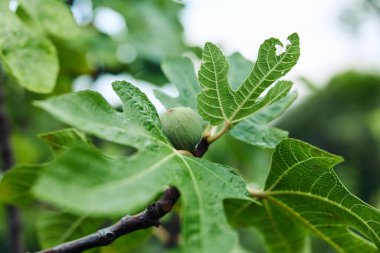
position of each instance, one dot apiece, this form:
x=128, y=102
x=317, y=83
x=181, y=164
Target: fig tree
x=183, y=127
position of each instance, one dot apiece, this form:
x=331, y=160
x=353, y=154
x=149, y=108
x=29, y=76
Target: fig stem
x=220, y=133
x=256, y=193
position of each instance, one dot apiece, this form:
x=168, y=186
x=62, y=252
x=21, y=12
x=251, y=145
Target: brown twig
x=12, y=213
x=148, y=218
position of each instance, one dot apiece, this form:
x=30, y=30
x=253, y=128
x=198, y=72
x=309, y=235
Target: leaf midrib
x=199, y=197
x=306, y=194
x=216, y=84
x=306, y=223
x=148, y=170
x=274, y=225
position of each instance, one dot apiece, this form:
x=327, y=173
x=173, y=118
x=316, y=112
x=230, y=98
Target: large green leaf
x=303, y=187
x=218, y=102
x=54, y=16
x=180, y=72
x=31, y=58
x=255, y=129
x=122, y=185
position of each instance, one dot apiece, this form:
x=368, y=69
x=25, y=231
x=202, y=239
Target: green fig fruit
x=183, y=127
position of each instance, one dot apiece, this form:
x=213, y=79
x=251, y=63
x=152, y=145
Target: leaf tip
x=117, y=85
x=293, y=37
x=210, y=45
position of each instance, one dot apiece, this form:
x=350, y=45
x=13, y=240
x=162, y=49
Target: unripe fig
x=183, y=127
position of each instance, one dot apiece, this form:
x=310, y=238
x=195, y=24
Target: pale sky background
x=327, y=47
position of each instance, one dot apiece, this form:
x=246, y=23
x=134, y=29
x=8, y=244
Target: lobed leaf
x=302, y=185
x=218, y=103
x=126, y=184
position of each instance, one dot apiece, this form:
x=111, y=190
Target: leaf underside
x=303, y=187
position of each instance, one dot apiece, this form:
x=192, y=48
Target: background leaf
x=54, y=16
x=255, y=129
x=16, y=184
x=240, y=68
x=54, y=228
x=215, y=102
x=32, y=59
x=180, y=72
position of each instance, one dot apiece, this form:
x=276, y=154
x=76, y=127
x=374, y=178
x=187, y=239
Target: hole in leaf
x=280, y=49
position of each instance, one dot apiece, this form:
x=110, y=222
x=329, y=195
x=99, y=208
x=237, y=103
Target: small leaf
x=31, y=58
x=54, y=16
x=180, y=72
x=302, y=185
x=218, y=103
x=255, y=129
